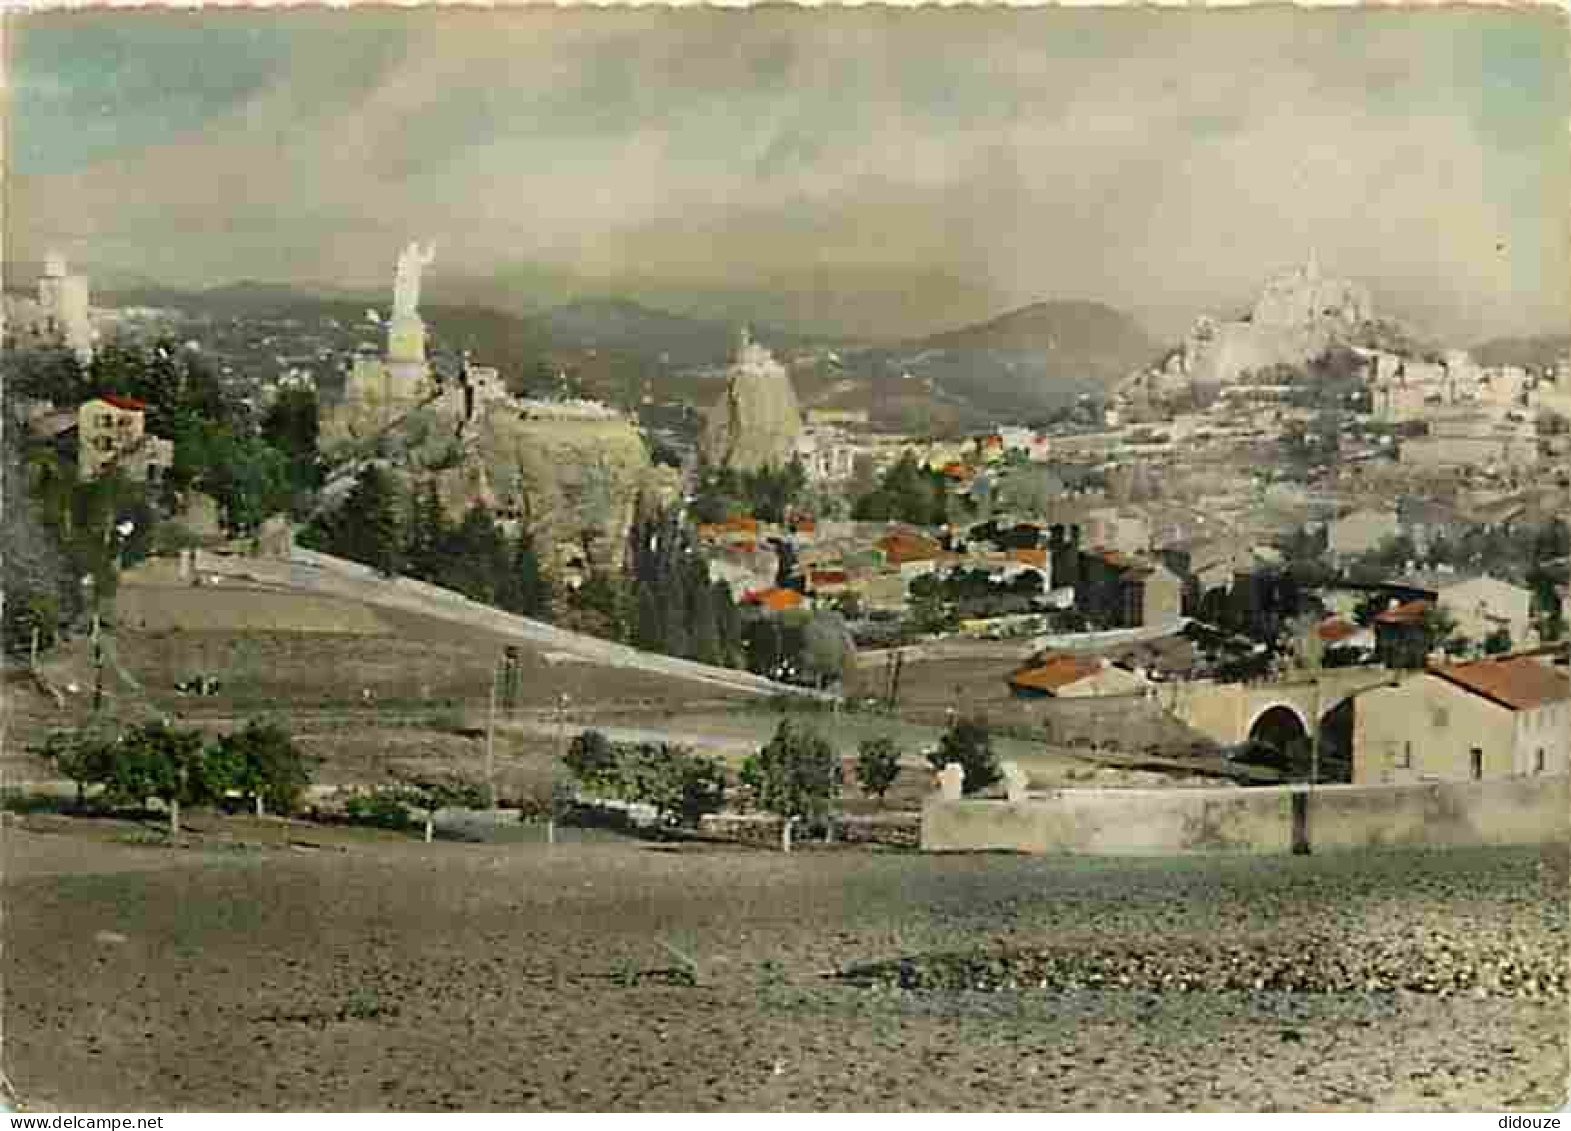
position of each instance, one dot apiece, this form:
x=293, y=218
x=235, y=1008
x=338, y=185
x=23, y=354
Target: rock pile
x=1429, y=966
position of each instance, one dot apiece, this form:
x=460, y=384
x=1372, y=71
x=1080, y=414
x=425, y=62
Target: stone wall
x=1528, y=810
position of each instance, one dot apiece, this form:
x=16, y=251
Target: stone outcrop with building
x=574, y=472
x=757, y=422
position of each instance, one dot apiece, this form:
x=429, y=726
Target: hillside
x=1539, y=352
x=1018, y=365
x=1071, y=330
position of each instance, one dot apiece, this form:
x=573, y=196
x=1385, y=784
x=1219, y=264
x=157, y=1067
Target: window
x=1538, y=760
x=1477, y=760
x=1404, y=758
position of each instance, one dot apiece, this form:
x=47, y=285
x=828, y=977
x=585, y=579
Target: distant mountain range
x=1014, y=366
x=1021, y=364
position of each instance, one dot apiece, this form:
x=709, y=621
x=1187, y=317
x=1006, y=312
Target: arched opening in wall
x=1336, y=743
x=1278, y=739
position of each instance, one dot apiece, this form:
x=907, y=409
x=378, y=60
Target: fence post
x=1300, y=822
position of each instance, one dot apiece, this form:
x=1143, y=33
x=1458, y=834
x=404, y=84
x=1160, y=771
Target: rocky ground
x=361, y=973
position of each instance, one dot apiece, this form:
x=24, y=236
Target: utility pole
x=490, y=743
x=562, y=700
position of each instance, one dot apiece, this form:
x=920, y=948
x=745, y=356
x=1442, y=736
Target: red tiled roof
x=899, y=548
x=1519, y=682
x=1412, y=612
x=776, y=600
x=1333, y=630
x=1052, y=673
x=955, y=471
x=128, y=404
x=826, y=577
x=1034, y=556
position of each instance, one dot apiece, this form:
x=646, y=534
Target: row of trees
x=179, y=767
x=376, y=526
x=766, y=494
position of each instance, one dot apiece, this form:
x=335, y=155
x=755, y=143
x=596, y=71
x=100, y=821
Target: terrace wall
x=1126, y=822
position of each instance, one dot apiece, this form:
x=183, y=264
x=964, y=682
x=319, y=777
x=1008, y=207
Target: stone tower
x=65, y=303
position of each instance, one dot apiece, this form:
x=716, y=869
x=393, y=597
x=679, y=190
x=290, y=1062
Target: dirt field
x=376, y=973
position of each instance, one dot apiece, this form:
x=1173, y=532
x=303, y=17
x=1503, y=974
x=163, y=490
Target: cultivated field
x=369, y=972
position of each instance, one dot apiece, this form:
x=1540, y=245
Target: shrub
x=877, y=765
x=592, y=760
x=969, y=742
x=264, y=763
x=381, y=809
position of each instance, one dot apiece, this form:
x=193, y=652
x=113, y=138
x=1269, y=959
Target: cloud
x=1161, y=161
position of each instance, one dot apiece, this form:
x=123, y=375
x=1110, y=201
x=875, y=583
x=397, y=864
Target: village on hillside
x=785, y=561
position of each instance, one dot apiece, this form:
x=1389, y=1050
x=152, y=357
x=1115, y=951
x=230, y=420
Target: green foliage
x=262, y=761
x=969, y=741
x=1498, y=641
x=366, y=527
x=382, y=809
x=799, y=773
x=827, y=650
x=592, y=760
x=429, y=794
x=928, y=608
x=29, y=618
x=679, y=783
x=677, y=608
x=291, y=427
x=906, y=493
x=766, y=494
x=86, y=758
x=50, y=374
x=165, y=762
x=1548, y=614
x=877, y=765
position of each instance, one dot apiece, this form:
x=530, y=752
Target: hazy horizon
x=857, y=171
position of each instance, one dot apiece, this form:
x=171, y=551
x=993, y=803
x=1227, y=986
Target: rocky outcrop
x=757, y=422
x=1299, y=315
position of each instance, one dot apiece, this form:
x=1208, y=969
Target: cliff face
x=758, y=420
x=580, y=481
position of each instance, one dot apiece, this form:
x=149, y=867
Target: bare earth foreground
x=379, y=973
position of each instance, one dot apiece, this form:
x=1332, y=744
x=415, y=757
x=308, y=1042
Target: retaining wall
x=1128, y=822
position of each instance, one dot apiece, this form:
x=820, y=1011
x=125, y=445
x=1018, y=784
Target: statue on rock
x=406, y=282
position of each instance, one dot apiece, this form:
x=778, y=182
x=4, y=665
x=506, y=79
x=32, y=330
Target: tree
x=263, y=762
x=1498, y=641
x=525, y=589
x=172, y=765
x=969, y=742
x=365, y=528
x=85, y=758
x=877, y=766
x=826, y=648
x=49, y=373
x=591, y=759
x=1547, y=609
x=426, y=533
x=290, y=425
x=929, y=609
x=798, y=776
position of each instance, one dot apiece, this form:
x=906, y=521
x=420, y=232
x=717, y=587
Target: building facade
x=112, y=433
x=1465, y=722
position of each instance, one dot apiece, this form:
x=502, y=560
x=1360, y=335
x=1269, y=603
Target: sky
x=889, y=172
